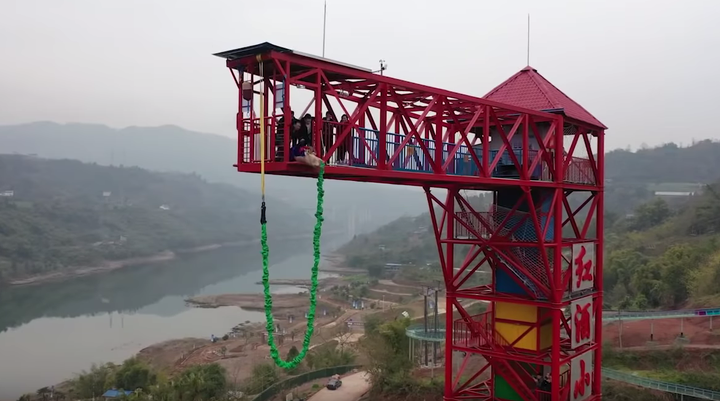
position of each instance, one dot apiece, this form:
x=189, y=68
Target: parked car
x=334, y=383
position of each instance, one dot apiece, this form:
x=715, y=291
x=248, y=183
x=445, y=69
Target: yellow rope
x=262, y=129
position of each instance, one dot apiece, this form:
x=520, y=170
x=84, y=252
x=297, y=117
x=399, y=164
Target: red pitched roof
x=531, y=90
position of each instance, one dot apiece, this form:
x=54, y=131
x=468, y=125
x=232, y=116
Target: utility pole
x=324, y=25
x=425, y=344
x=435, y=345
x=528, y=40
x=383, y=67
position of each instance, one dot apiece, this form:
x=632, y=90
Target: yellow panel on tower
x=512, y=332
x=515, y=322
x=516, y=312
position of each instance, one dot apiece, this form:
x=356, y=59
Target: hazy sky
x=646, y=68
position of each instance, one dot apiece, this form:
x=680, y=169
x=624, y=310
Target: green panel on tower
x=504, y=391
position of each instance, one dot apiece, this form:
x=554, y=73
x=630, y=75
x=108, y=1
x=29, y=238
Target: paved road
x=353, y=387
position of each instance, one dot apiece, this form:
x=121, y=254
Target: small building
x=392, y=267
x=113, y=394
x=674, y=193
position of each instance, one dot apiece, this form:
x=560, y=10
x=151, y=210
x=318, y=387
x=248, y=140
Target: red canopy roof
x=531, y=90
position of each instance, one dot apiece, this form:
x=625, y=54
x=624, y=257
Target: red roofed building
x=531, y=90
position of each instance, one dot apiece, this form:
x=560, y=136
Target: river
x=50, y=332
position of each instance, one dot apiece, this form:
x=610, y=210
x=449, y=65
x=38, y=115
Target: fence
x=661, y=385
x=295, y=381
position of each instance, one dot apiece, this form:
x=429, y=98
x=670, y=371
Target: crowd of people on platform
x=302, y=148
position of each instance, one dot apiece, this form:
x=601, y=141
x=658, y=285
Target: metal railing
x=418, y=332
x=661, y=385
x=362, y=146
x=295, y=381
x=707, y=312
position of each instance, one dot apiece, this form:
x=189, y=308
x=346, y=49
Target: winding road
x=353, y=387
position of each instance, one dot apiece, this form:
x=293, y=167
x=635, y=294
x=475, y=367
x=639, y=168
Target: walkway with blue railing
x=667, y=387
x=418, y=332
x=610, y=316
x=412, y=158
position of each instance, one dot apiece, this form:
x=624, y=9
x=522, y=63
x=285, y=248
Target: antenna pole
x=324, y=25
x=528, y=40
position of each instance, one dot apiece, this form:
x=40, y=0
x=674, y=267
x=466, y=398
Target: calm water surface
x=50, y=332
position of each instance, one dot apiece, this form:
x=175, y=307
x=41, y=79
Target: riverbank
x=111, y=265
x=245, y=345
x=285, y=303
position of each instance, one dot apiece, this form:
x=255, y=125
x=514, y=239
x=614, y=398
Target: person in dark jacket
x=301, y=151
x=328, y=132
x=280, y=136
x=345, y=147
x=306, y=129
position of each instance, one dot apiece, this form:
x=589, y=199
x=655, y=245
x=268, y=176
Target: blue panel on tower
x=505, y=284
x=545, y=221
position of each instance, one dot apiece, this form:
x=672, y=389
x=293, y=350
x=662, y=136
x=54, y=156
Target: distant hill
x=63, y=213
x=633, y=177
x=171, y=148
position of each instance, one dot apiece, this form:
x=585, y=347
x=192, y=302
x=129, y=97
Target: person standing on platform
x=346, y=144
x=306, y=129
x=328, y=132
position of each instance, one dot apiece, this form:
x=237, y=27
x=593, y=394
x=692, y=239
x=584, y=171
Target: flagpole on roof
x=528, y=40
x=324, y=24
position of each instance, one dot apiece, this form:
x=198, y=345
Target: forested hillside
x=665, y=258
x=407, y=240
x=63, y=213
x=171, y=148
x=632, y=177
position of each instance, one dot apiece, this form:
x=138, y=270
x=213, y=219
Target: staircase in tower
x=531, y=269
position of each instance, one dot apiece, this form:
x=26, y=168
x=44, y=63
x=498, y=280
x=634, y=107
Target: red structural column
x=449, y=295
x=600, y=234
x=559, y=290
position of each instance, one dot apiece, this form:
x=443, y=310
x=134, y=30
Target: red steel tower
x=538, y=152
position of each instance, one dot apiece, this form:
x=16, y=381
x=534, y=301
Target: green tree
x=650, y=214
x=329, y=356
x=95, y=382
x=387, y=351
x=201, y=382
x=292, y=353
x=133, y=375
x=263, y=376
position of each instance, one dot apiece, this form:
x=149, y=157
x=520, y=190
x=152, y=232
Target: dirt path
x=393, y=293
x=390, y=282
x=255, y=301
x=353, y=387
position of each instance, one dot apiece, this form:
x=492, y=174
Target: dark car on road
x=334, y=384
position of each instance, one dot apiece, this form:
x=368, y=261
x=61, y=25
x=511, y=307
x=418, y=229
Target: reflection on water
x=51, y=331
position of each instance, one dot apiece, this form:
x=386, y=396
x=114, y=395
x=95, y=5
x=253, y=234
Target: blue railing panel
x=412, y=158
